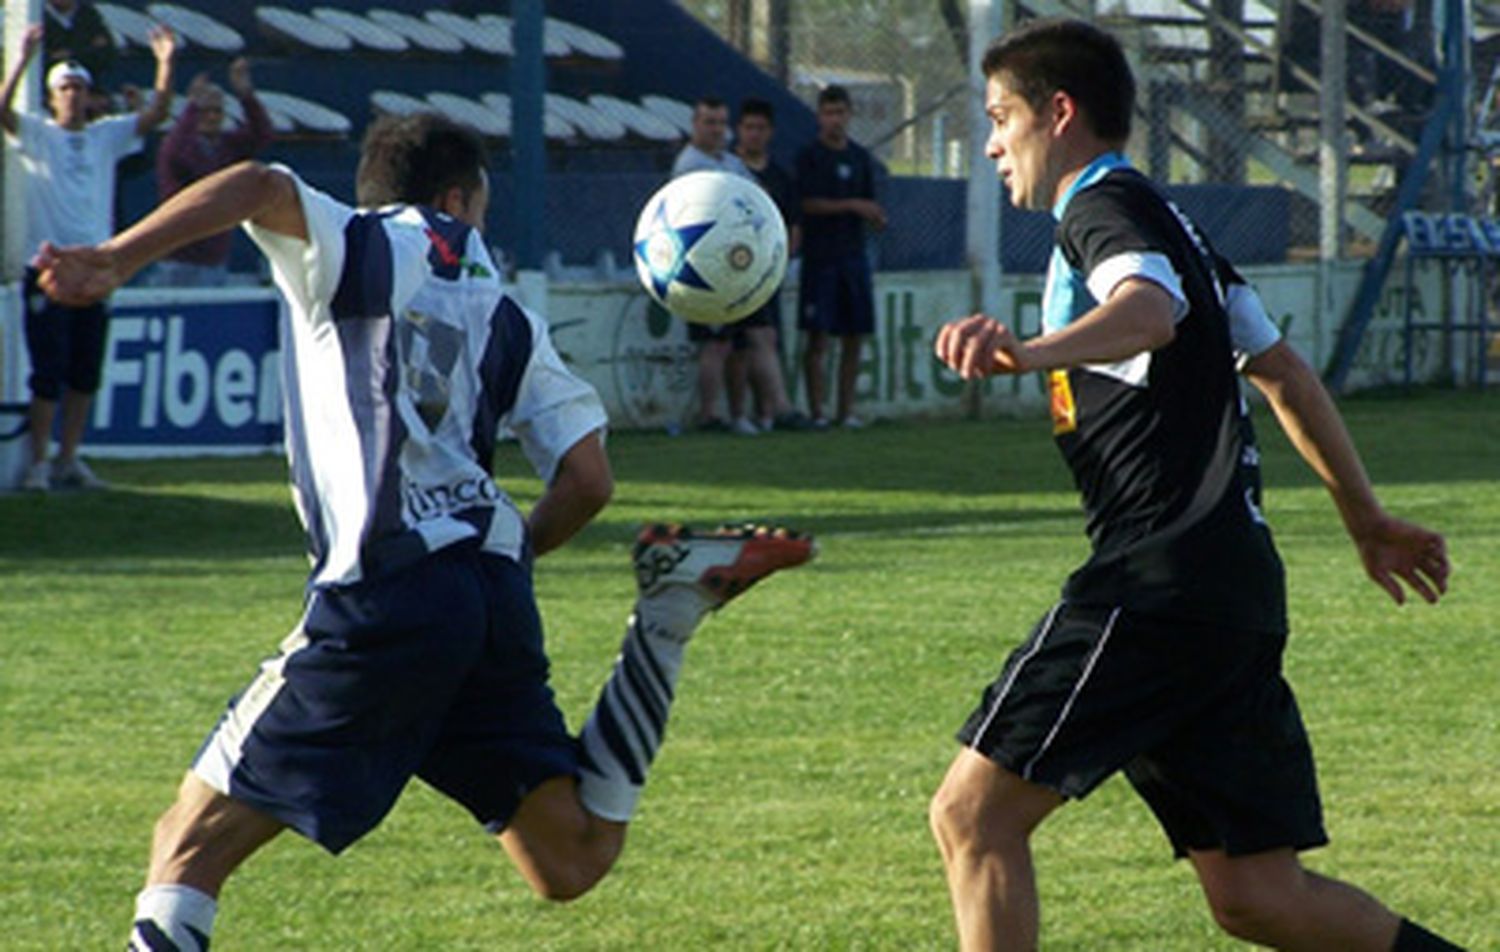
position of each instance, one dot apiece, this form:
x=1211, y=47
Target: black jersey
x=1160, y=444
x=823, y=172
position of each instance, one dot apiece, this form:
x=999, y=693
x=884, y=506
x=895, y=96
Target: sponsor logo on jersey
x=432, y=502
x=1064, y=409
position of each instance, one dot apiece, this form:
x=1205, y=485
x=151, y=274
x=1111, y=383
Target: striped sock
x=172, y=918
x=630, y=719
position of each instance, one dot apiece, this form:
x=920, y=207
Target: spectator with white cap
x=69, y=163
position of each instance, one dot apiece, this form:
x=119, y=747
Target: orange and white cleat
x=721, y=563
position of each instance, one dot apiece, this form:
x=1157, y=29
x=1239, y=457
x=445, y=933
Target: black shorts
x=65, y=344
x=837, y=297
x=437, y=671
x=1199, y=718
x=734, y=332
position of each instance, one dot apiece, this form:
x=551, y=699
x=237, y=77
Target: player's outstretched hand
x=78, y=275
x=1393, y=549
x=978, y=346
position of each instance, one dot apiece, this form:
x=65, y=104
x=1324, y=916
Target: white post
x=28, y=99
x=983, y=202
x=1332, y=146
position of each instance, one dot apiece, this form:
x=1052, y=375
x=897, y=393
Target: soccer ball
x=710, y=247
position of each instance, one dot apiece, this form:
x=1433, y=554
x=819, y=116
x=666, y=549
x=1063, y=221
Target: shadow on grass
x=130, y=523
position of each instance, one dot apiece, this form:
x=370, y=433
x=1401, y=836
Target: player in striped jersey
x=420, y=650
x=1163, y=657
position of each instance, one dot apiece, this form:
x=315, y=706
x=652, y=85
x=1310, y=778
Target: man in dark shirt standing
x=836, y=178
x=761, y=358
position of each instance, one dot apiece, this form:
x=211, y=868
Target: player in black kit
x=1163, y=656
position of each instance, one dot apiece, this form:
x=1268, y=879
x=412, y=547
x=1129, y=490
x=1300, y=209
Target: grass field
x=788, y=809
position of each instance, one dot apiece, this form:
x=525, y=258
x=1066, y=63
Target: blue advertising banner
x=189, y=370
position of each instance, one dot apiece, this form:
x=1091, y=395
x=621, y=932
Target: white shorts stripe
x=1014, y=672
x=1088, y=669
x=222, y=753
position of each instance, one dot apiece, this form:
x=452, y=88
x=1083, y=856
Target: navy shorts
x=65, y=344
x=1198, y=717
x=734, y=332
x=437, y=672
x=837, y=297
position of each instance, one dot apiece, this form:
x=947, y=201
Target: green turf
x=814, y=719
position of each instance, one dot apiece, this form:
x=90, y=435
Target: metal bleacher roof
x=639, y=120
x=129, y=26
x=591, y=123
x=482, y=33
x=307, y=115
x=475, y=114
x=675, y=111
x=198, y=28
x=363, y=31
x=394, y=103
x=419, y=32
x=298, y=29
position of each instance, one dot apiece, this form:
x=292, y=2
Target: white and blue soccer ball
x=710, y=247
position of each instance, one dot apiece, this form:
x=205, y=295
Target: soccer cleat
x=720, y=563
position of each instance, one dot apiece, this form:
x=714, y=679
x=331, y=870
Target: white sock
x=629, y=721
x=172, y=918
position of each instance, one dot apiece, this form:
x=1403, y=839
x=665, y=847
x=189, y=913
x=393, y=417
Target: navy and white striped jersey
x=1160, y=444
x=402, y=357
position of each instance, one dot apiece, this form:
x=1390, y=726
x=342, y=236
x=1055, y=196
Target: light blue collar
x=1092, y=173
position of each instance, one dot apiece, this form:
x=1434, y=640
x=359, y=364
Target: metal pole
x=1332, y=137
x=528, y=145
x=983, y=202
x=28, y=99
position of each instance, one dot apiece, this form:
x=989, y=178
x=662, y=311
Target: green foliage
x=788, y=809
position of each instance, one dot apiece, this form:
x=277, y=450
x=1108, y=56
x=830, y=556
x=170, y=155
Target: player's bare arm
x=155, y=112
x=248, y=191
x=1136, y=318
x=1390, y=548
x=31, y=41
x=581, y=488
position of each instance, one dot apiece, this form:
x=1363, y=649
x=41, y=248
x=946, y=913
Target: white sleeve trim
x=1251, y=330
x=307, y=271
x=554, y=408
x=1150, y=265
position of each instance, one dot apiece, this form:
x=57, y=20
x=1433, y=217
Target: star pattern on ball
x=678, y=268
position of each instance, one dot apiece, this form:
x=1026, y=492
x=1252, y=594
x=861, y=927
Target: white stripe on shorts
x=221, y=754
x=1088, y=669
x=1020, y=662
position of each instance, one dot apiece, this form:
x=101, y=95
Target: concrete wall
x=189, y=373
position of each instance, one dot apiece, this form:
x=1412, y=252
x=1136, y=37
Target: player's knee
x=954, y=818
x=1246, y=912
x=565, y=882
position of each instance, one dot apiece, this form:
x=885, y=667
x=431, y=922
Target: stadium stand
x=614, y=116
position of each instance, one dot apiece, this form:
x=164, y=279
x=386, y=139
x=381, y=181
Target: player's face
x=70, y=103
x=711, y=128
x=1020, y=145
x=478, y=203
x=833, y=120
x=754, y=135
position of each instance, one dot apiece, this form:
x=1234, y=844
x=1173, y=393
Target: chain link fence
x=1228, y=108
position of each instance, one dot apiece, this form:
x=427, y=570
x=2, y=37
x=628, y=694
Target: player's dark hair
x=414, y=159
x=709, y=102
x=755, y=106
x=1046, y=56
x=833, y=93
